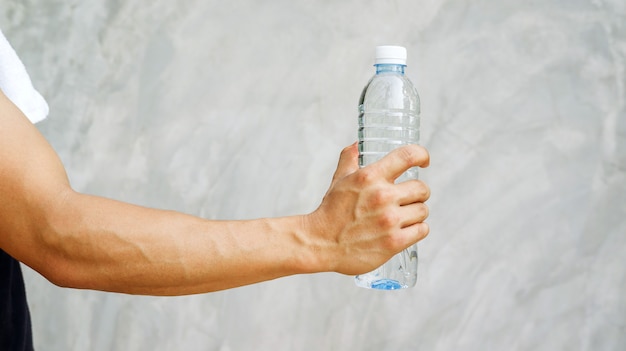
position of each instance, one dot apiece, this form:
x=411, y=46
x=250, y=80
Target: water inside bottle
x=386, y=284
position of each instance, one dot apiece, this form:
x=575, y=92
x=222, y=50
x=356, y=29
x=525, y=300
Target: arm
x=84, y=241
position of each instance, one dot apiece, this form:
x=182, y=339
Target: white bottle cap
x=391, y=55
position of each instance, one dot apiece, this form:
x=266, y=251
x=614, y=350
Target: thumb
x=348, y=162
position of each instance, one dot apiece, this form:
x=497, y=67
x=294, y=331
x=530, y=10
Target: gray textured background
x=238, y=109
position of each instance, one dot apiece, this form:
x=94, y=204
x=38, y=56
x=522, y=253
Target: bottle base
x=382, y=284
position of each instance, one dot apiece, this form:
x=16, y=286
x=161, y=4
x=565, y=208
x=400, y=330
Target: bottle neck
x=390, y=67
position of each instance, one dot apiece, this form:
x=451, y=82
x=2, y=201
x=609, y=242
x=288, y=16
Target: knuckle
x=381, y=197
x=414, y=155
x=423, y=191
x=407, y=155
x=424, y=211
x=395, y=241
x=419, y=190
x=365, y=176
x=388, y=220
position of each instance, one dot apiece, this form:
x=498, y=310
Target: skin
x=83, y=241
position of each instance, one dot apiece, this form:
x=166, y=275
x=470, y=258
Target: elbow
x=59, y=269
x=59, y=246
x=59, y=276
x=61, y=273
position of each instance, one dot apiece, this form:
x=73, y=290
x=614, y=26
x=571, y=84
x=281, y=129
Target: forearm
x=85, y=241
x=103, y=244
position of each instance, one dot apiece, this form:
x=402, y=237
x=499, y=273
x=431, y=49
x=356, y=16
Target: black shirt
x=15, y=330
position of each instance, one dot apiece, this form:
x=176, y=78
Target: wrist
x=316, y=248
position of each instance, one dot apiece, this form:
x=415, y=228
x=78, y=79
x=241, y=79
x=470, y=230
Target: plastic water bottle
x=389, y=110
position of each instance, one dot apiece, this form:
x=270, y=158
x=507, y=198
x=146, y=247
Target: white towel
x=16, y=84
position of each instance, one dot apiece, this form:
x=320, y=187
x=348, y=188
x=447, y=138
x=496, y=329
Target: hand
x=365, y=218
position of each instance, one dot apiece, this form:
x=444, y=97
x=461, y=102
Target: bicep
x=32, y=182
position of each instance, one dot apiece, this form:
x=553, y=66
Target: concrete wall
x=238, y=109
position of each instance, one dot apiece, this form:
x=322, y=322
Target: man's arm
x=84, y=241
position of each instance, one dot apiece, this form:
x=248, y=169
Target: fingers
x=417, y=232
x=348, y=162
x=406, y=219
x=408, y=235
x=412, y=191
x=399, y=160
x=393, y=217
x=413, y=214
x=412, y=234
